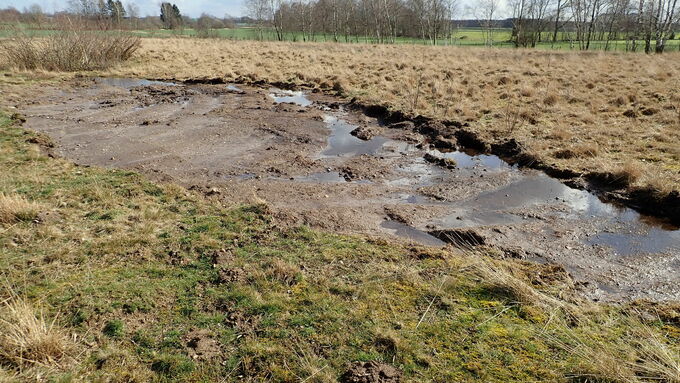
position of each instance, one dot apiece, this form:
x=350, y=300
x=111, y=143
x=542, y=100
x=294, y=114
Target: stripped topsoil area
x=321, y=162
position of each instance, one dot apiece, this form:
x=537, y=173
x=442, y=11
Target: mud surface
x=320, y=163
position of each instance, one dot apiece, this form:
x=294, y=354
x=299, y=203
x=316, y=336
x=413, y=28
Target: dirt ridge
x=607, y=185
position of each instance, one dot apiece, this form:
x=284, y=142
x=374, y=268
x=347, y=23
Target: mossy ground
x=134, y=268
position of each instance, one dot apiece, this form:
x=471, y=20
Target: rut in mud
x=319, y=163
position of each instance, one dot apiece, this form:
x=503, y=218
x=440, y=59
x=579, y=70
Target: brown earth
x=371, y=372
x=241, y=145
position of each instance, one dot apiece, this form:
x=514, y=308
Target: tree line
x=641, y=24
x=650, y=23
x=114, y=14
x=380, y=21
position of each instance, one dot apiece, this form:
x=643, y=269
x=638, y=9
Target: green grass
x=135, y=268
x=462, y=37
x=501, y=37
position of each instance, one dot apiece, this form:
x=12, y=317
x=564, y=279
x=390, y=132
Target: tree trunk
x=557, y=20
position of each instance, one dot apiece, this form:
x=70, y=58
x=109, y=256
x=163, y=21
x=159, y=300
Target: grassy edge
x=225, y=270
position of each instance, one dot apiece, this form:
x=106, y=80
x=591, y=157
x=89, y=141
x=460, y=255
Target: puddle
x=499, y=206
x=474, y=161
x=342, y=144
x=655, y=240
x=130, y=82
x=417, y=173
x=638, y=234
x=281, y=96
x=321, y=177
x=405, y=231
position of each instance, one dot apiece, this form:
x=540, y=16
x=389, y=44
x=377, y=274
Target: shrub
x=69, y=50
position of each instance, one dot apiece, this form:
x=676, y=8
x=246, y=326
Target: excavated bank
x=407, y=177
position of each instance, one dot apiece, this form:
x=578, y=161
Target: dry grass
x=564, y=98
x=510, y=279
x=15, y=208
x=69, y=50
x=656, y=359
x=642, y=355
x=28, y=339
x=629, y=172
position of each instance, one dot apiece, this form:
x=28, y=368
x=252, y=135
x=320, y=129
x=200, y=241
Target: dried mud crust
x=243, y=147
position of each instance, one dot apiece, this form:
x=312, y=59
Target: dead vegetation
x=15, y=208
x=69, y=49
x=28, y=339
x=134, y=254
x=640, y=355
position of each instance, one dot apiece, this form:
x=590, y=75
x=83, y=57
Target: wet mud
x=320, y=162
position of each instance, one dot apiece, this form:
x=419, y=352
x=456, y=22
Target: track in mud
x=302, y=154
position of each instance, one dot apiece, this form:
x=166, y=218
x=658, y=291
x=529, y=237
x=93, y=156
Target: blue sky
x=148, y=7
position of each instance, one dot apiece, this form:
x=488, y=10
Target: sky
x=192, y=8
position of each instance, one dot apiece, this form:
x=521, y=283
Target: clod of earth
x=201, y=344
x=463, y=238
x=365, y=133
x=447, y=163
x=371, y=372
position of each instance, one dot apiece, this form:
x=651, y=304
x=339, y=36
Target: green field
x=460, y=37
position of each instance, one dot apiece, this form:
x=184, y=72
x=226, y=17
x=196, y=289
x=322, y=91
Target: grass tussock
x=518, y=283
x=69, y=50
x=639, y=355
x=28, y=339
x=627, y=173
x=15, y=208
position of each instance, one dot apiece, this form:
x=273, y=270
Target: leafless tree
x=486, y=12
x=530, y=20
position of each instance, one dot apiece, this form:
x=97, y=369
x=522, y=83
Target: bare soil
x=301, y=154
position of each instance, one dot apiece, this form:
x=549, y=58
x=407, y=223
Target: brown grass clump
x=551, y=99
x=509, y=280
x=642, y=356
x=69, y=50
x=588, y=149
x=656, y=359
x=27, y=339
x=15, y=208
x=628, y=173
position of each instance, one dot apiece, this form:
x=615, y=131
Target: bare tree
x=656, y=19
x=260, y=11
x=133, y=14
x=486, y=12
x=530, y=20
x=585, y=15
x=34, y=15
